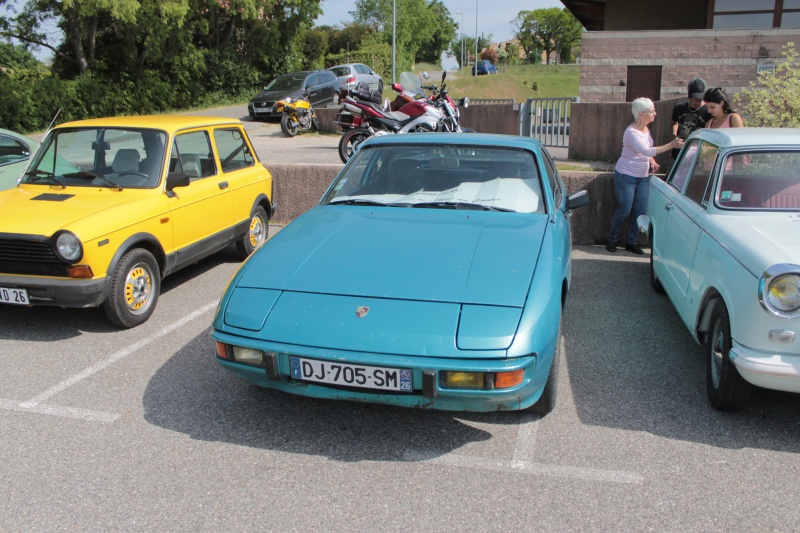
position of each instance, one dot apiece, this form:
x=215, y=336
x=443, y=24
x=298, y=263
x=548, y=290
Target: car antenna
x=50, y=127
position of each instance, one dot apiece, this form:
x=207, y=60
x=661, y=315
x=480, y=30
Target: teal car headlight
x=779, y=290
x=68, y=247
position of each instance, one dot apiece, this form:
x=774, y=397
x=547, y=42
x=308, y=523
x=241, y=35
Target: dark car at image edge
x=319, y=86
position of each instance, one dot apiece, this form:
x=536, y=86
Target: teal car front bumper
x=428, y=387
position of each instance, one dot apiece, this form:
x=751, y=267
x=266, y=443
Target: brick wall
x=723, y=58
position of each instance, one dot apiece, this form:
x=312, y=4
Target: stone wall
x=597, y=129
x=299, y=188
x=723, y=58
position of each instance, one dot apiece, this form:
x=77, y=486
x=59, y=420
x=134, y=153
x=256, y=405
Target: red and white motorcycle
x=362, y=115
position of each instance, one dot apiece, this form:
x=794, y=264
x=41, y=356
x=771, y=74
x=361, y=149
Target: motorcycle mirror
x=396, y=87
x=444, y=75
x=426, y=75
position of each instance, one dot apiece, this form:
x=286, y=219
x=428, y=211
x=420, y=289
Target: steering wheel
x=133, y=173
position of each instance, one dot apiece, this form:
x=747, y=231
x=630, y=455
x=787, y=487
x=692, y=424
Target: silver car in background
x=351, y=74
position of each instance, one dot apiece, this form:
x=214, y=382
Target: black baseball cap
x=697, y=88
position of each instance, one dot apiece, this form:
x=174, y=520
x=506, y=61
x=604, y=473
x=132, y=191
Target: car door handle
x=668, y=206
x=223, y=185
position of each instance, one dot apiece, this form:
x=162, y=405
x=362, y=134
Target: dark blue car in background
x=484, y=67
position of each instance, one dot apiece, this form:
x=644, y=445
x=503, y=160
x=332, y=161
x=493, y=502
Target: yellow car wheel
x=134, y=290
x=256, y=234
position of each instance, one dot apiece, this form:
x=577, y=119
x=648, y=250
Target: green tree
x=424, y=28
x=548, y=30
x=351, y=36
x=773, y=99
x=16, y=58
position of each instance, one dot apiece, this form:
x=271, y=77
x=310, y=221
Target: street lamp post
x=462, y=41
x=394, y=32
x=476, y=37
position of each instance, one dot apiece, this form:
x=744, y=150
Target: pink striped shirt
x=637, y=149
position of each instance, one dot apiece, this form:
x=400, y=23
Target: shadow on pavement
x=633, y=365
x=192, y=394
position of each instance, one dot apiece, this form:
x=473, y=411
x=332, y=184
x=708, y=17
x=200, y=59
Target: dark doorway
x=644, y=82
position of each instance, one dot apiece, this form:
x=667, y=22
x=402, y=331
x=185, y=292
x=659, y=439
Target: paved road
x=308, y=149
x=140, y=430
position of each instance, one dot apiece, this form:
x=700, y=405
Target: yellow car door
x=247, y=178
x=202, y=212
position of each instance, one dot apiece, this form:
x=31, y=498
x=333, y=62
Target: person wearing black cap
x=691, y=115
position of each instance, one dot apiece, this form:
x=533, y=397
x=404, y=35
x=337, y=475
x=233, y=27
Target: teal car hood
x=433, y=255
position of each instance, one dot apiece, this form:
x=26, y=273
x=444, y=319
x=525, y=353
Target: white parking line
x=35, y=403
x=63, y=412
x=526, y=467
x=526, y=436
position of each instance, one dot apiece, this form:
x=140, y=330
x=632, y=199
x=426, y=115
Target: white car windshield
x=760, y=180
x=441, y=176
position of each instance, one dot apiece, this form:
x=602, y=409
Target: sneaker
x=611, y=247
x=634, y=248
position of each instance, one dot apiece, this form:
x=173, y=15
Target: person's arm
x=677, y=142
x=674, y=129
x=737, y=121
x=643, y=148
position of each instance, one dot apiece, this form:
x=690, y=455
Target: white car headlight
x=779, y=290
x=69, y=247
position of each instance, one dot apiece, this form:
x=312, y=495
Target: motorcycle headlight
x=779, y=290
x=68, y=247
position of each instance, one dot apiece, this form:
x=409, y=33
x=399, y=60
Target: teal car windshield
x=441, y=176
x=99, y=157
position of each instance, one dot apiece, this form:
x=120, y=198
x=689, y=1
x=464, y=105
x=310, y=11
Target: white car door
x=677, y=235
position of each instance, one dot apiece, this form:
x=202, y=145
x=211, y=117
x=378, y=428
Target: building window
x=754, y=14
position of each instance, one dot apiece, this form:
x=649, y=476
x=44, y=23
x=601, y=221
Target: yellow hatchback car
x=110, y=206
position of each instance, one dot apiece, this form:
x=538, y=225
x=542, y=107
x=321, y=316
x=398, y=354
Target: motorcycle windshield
x=410, y=82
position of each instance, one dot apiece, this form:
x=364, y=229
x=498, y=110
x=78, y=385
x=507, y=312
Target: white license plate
x=14, y=296
x=348, y=375
x=262, y=109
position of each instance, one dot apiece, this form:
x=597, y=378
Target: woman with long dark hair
x=722, y=114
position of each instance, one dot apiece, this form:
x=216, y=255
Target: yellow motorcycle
x=298, y=116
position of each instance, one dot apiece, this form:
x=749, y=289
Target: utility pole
x=476, y=37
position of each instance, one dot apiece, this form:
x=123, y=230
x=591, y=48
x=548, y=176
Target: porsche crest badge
x=361, y=311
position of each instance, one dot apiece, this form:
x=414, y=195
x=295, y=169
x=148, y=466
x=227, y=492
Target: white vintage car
x=725, y=234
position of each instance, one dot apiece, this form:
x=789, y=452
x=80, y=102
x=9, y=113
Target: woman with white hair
x=631, y=172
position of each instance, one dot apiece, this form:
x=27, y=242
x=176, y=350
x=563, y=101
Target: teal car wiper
x=94, y=176
x=461, y=205
x=43, y=175
x=357, y=201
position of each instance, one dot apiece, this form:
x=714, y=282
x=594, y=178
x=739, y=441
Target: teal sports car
x=432, y=274
x=15, y=152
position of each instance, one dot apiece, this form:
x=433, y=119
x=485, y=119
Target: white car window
x=697, y=188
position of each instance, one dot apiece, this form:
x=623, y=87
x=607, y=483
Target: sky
x=494, y=16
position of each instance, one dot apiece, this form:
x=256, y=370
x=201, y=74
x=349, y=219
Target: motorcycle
x=298, y=116
x=362, y=116
x=452, y=116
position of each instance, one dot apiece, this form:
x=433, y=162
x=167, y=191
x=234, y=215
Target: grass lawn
x=519, y=82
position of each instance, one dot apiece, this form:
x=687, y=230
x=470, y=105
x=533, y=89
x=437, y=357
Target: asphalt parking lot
x=141, y=430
